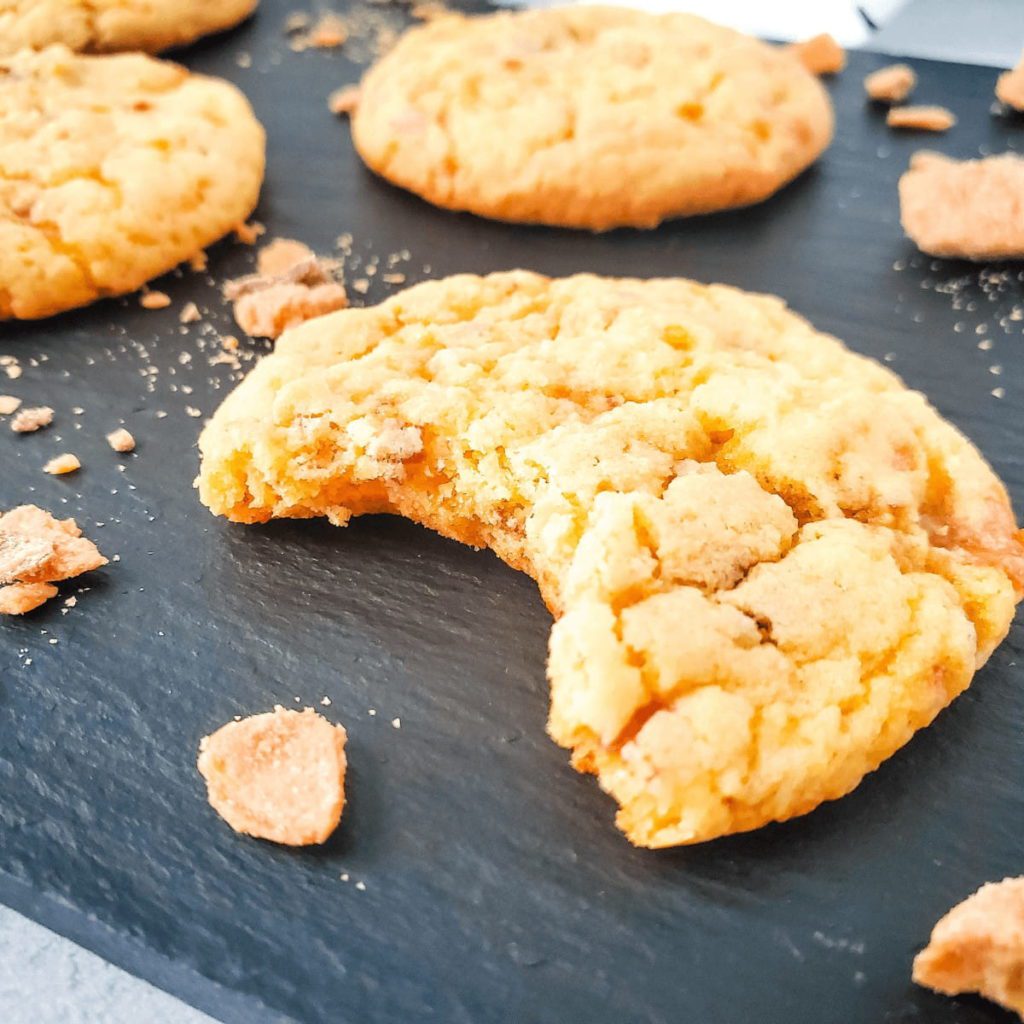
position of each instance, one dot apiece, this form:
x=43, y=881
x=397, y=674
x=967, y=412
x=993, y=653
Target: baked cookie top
x=103, y=25
x=112, y=171
x=770, y=562
x=589, y=117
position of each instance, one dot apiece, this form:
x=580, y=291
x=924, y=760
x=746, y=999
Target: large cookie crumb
x=62, y=464
x=969, y=209
x=1010, y=87
x=291, y=285
x=36, y=550
x=921, y=119
x=277, y=776
x=979, y=947
x=821, y=54
x=29, y=420
x=892, y=84
x=121, y=440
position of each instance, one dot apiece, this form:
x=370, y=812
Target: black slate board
x=496, y=888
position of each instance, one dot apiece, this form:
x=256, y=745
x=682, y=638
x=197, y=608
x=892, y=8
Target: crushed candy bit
x=154, y=300
x=821, y=54
x=921, y=119
x=292, y=285
x=121, y=440
x=277, y=776
x=31, y=419
x=891, y=84
x=62, y=464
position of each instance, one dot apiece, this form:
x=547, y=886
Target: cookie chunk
x=104, y=25
x=770, y=563
x=979, y=947
x=112, y=171
x=277, y=776
x=969, y=209
x=891, y=84
x=589, y=117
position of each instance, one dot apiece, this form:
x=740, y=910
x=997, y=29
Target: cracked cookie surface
x=589, y=117
x=768, y=560
x=105, y=25
x=112, y=171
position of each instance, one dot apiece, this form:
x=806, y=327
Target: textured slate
x=496, y=887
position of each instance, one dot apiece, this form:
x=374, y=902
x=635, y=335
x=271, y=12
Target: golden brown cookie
x=589, y=117
x=112, y=171
x=105, y=25
x=770, y=563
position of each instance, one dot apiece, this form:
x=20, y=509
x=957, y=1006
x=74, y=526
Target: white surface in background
x=778, y=19
x=45, y=979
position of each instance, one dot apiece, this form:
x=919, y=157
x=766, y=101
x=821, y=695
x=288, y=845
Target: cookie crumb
x=431, y=10
x=344, y=101
x=154, y=300
x=191, y=410
x=921, y=119
x=37, y=550
x=189, y=313
x=979, y=947
x=9, y=404
x=891, y=84
x=278, y=776
x=229, y=343
x=820, y=54
x=198, y=262
x=121, y=440
x=31, y=419
x=21, y=598
x=291, y=285
x=1010, y=87
x=13, y=371
x=296, y=22
x=248, y=234
x=330, y=31
x=396, y=723
x=969, y=209
x=393, y=278
x=62, y=464
x=361, y=285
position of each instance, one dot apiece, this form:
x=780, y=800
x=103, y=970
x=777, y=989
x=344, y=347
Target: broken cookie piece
x=29, y=420
x=891, y=84
x=277, y=776
x=979, y=947
x=37, y=550
x=63, y=464
x=968, y=209
x=821, y=55
x=291, y=285
x=121, y=440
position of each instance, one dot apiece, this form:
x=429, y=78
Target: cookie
x=114, y=170
x=967, y=209
x=589, y=117
x=105, y=25
x=770, y=562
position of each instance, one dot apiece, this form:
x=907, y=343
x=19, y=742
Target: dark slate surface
x=496, y=888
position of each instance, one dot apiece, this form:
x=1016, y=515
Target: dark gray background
x=496, y=887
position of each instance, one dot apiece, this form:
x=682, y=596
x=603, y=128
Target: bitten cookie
x=770, y=563
x=112, y=171
x=589, y=117
x=104, y=25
